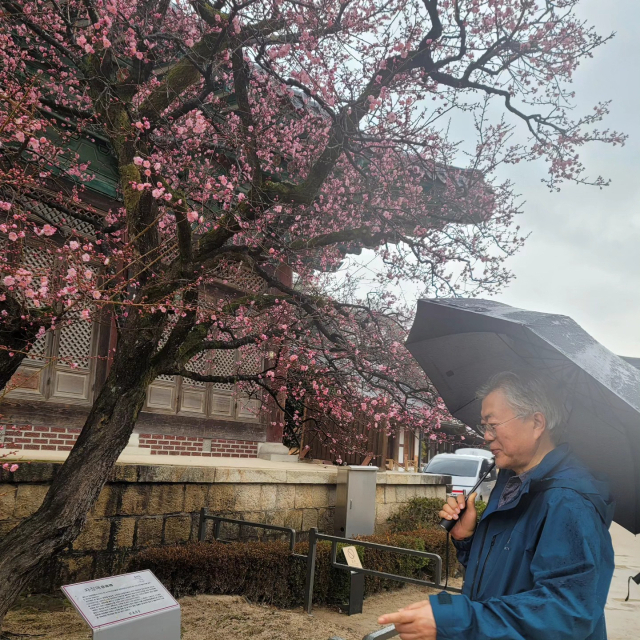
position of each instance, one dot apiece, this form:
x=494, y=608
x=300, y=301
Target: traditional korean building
x=52, y=392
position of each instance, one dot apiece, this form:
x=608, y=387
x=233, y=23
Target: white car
x=465, y=467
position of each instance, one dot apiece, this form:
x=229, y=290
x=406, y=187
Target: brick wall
x=38, y=438
x=162, y=444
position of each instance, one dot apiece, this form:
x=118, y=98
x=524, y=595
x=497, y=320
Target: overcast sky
x=583, y=256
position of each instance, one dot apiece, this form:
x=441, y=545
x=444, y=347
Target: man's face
x=514, y=443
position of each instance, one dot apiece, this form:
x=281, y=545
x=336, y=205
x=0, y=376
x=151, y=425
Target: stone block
x=398, y=477
x=124, y=473
x=135, y=500
x=390, y=494
x=195, y=497
x=311, y=496
x=158, y=473
x=94, y=536
x=77, y=569
x=108, y=564
x=177, y=529
x=149, y=532
x=6, y=526
x=124, y=533
x=325, y=521
x=404, y=493
x=248, y=497
x=331, y=495
x=28, y=498
x=380, y=494
x=33, y=472
x=166, y=498
x=275, y=518
x=7, y=500
x=432, y=491
x=107, y=503
x=384, y=511
x=250, y=476
x=325, y=475
x=285, y=496
x=293, y=519
x=309, y=519
x=268, y=497
x=221, y=498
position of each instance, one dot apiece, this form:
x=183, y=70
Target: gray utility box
x=355, y=513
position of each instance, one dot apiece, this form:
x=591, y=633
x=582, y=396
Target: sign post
x=132, y=606
x=356, y=585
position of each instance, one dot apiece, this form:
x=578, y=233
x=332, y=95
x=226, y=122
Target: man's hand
x=466, y=516
x=415, y=622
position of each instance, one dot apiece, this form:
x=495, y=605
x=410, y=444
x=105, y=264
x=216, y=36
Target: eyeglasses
x=483, y=429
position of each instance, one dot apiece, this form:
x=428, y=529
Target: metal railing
x=356, y=594
x=314, y=537
x=217, y=525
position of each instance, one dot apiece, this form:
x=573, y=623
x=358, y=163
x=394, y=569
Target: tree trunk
x=16, y=338
x=78, y=483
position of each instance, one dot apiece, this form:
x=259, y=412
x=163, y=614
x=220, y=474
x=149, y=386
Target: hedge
x=422, y=513
x=267, y=572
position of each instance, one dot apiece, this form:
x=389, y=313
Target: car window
x=453, y=467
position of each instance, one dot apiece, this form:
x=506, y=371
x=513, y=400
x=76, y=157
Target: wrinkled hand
x=415, y=622
x=464, y=512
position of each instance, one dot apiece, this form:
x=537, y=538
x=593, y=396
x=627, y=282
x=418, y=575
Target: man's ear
x=539, y=424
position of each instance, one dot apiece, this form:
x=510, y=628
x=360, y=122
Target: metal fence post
x=311, y=569
x=202, y=528
x=356, y=593
x=216, y=528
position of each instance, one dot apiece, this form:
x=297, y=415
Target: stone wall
x=147, y=505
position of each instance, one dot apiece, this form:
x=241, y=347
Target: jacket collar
x=543, y=470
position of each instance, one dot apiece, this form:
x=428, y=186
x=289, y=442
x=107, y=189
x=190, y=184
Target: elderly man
x=540, y=561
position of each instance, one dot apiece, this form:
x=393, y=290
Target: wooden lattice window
x=60, y=364
x=183, y=396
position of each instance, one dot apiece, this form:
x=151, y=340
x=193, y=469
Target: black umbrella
x=461, y=343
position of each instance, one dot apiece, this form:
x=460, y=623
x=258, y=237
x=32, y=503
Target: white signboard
x=120, y=599
x=353, y=559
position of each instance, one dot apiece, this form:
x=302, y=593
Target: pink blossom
x=192, y=216
x=9, y=281
x=73, y=245
x=13, y=236
x=48, y=230
x=86, y=257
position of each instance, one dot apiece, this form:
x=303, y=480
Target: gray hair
x=528, y=393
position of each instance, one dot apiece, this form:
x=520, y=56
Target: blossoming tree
x=251, y=138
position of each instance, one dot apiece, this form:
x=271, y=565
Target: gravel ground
x=218, y=617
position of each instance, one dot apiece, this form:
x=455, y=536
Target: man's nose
x=489, y=437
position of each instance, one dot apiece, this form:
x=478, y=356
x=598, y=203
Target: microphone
x=447, y=525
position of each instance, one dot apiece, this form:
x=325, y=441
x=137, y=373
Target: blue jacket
x=539, y=567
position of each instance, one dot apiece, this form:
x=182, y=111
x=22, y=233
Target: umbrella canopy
x=461, y=343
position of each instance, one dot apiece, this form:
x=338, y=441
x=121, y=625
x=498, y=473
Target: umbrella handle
x=447, y=525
